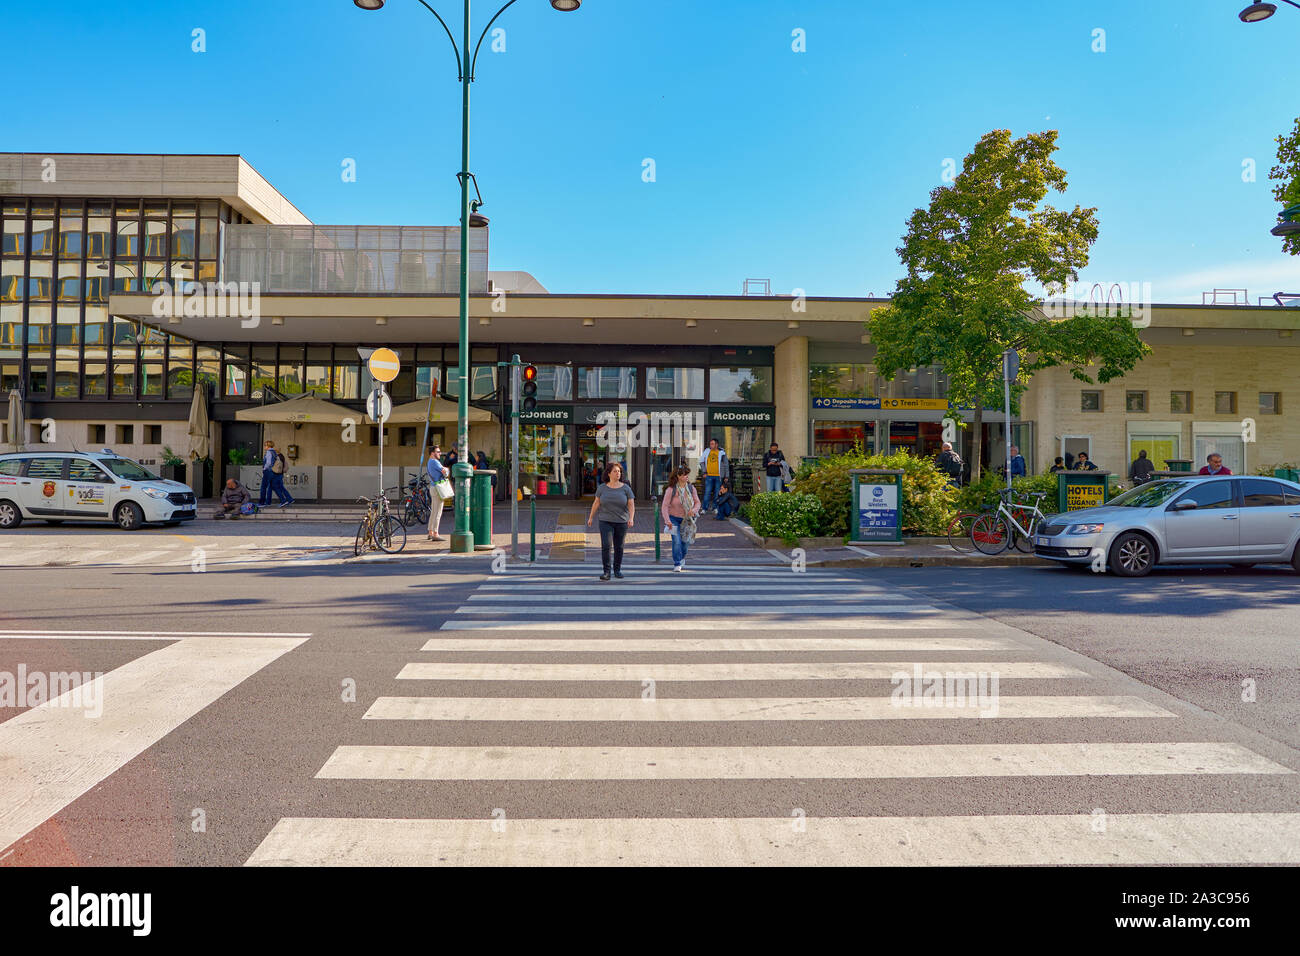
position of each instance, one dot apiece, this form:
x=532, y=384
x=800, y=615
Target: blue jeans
x=276, y=484
x=773, y=482
x=265, y=497
x=679, y=546
x=711, y=485
x=724, y=509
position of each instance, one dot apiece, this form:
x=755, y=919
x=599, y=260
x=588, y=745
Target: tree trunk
x=977, y=440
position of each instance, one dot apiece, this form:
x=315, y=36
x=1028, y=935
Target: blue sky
x=801, y=168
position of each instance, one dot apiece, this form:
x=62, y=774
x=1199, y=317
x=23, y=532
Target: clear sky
x=798, y=167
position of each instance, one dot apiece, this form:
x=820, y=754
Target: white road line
x=141, y=558
x=35, y=634
x=1020, y=840
x=748, y=709
x=791, y=763
x=714, y=645
x=666, y=609
x=51, y=755
x=863, y=551
x=725, y=624
x=590, y=595
x=673, y=585
x=766, y=670
x=783, y=558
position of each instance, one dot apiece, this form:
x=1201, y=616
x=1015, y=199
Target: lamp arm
x=1293, y=3
x=460, y=69
x=473, y=63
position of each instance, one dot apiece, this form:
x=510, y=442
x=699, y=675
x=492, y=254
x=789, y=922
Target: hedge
x=775, y=514
x=928, y=497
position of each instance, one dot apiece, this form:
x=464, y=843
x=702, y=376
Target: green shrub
x=984, y=493
x=927, y=495
x=775, y=514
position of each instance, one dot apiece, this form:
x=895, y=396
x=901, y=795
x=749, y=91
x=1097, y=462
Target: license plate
x=1041, y=542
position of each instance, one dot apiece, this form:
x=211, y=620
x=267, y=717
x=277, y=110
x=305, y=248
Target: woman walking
x=681, y=503
x=615, y=508
x=438, y=472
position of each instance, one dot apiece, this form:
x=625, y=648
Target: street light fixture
x=462, y=539
x=1253, y=13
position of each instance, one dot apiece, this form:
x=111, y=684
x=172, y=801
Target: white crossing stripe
x=883, y=670
x=1204, y=839
x=863, y=551
x=667, y=609
x=33, y=634
x=748, y=708
x=53, y=754
x=141, y=558
x=708, y=645
x=665, y=592
x=673, y=585
x=863, y=622
x=790, y=763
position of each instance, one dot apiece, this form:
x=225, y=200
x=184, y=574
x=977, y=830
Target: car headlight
x=154, y=492
x=1085, y=529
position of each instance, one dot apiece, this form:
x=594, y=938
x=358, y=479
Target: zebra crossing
x=540, y=724
x=20, y=555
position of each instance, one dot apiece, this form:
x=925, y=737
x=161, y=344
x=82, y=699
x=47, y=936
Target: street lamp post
x=462, y=539
x=1262, y=11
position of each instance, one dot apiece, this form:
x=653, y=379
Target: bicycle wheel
x=359, y=547
x=959, y=532
x=989, y=533
x=1026, y=542
x=390, y=535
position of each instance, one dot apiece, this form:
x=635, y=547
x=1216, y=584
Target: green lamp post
x=462, y=539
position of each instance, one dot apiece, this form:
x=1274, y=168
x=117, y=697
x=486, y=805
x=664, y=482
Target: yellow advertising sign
x=1078, y=497
x=915, y=404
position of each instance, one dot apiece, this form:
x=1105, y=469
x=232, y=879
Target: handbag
x=687, y=527
x=444, y=489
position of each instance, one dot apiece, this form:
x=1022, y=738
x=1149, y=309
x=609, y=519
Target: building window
x=842, y=381
x=1225, y=403
x=1090, y=400
x=554, y=383
x=125, y=434
x=153, y=434
x=1161, y=447
x=408, y=436
x=740, y=385
x=1270, y=403
x=675, y=383
x=1180, y=403
x=610, y=382
x=95, y=435
x=1135, y=402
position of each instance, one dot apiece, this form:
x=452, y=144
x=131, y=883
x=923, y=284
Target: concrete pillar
x=790, y=393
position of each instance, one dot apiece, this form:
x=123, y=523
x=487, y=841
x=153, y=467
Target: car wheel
x=128, y=516
x=10, y=515
x=1132, y=555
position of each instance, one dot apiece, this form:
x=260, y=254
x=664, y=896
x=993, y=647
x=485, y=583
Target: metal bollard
x=658, y=552
x=532, y=528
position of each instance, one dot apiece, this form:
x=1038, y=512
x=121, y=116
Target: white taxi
x=58, y=486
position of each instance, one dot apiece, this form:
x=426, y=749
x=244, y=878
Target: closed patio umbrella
x=200, y=426
x=16, y=420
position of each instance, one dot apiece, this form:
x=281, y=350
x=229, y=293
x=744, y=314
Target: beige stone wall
x=790, y=392
x=76, y=434
x=324, y=444
x=1053, y=402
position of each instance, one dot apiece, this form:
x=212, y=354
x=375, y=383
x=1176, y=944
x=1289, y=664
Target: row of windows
x=1180, y=402
x=1255, y=493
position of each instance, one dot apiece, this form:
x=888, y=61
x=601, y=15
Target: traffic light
x=530, y=388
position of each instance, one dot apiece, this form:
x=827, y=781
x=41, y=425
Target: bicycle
x=994, y=531
x=959, y=530
x=379, y=529
x=416, y=503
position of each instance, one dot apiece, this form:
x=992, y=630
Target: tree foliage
x=1287, y=176
x=968, y=257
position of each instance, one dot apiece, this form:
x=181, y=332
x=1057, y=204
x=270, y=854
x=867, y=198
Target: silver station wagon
x=1239, y=520
x=58, y=486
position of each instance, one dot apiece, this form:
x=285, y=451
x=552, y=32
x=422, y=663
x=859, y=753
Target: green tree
x=968, y=257
x=1287, y=176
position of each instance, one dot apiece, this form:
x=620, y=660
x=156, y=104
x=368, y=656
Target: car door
x=1268, y=523
x=40, y=488
x=88, y=490
x=1211, y=530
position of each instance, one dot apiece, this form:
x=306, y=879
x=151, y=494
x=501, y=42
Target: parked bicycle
x=379, y=528
x=1010, y=524
x=416, y=502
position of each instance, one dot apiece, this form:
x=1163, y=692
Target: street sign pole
x=514, y=456
x=1010, y=369
x=382, y=419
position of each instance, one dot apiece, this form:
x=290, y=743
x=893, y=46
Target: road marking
x=790, y=763
x=864, y=551
x=142, y=558
x=710, y=645
x=33, y=634
x=661, y=592
x=670, y=612
x=51, y=755
x=724, y=624
x=783, y=558
x=748, y=709
x=673, y=585
x=1019, y=840
x=774, y=670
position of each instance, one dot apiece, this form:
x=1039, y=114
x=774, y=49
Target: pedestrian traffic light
x=530, y=388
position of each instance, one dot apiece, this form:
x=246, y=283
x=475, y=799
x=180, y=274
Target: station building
x=91, y=241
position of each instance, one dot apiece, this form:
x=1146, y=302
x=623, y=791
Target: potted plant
x=236, y=458
x=172, y=465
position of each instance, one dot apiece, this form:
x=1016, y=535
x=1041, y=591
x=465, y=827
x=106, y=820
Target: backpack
x=278, y=467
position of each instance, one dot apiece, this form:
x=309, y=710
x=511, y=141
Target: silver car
x=1239, y=520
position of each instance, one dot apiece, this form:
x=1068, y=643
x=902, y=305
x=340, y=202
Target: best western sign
x=742, y=416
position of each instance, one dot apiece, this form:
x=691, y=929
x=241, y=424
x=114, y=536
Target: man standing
x=1142, y=468
x=273, y=477
x=1017, y=463
x=1214, y=465
x=716, y=467
x=950, y=463
x=772, y=468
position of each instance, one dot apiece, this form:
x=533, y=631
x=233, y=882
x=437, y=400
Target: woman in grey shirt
x=615, y=508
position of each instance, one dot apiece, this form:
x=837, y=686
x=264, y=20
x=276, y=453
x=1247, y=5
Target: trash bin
x=875, y=505
x=1287, y=474
x=480, y=508
x=1183, y=465
x=1076, y=490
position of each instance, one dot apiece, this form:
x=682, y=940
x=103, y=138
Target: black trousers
x=612, y=532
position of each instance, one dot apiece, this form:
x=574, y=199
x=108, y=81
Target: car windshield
x=130, y=470
x=1151, y=495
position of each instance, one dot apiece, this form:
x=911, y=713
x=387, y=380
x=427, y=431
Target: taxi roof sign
x=384, y=365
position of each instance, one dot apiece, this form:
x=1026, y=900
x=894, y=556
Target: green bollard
x=658, y=552
x=532, y=528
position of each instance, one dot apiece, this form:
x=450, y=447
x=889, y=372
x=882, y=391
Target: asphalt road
x=290, y=712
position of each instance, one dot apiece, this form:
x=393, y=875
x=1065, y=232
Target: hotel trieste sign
x=876, y=505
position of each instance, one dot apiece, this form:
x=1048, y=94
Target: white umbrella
x=200, y=425
x=16, y=420
x=303, y=408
